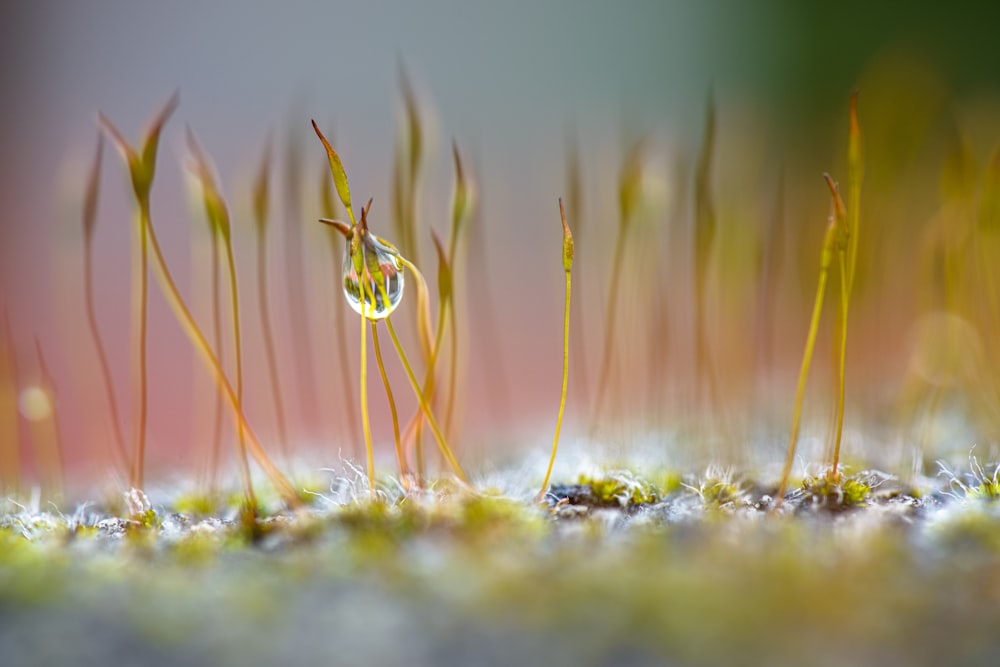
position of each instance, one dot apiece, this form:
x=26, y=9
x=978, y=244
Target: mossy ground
x=615, y=570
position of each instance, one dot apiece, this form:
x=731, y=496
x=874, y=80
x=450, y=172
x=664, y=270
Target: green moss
x=620, y=489
x=843, y=493
x=718, y=489
x=197, y=504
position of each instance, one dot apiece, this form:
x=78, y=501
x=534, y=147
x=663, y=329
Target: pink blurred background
x=512, y=83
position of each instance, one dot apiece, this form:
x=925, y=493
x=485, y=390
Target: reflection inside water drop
x=383, y=267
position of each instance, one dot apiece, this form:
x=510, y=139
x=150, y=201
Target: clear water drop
x=383, y=264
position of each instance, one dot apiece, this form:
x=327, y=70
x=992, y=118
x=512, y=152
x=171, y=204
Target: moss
x=197, y=504
x=718, y=488
x=619, y=489
x=837, y=494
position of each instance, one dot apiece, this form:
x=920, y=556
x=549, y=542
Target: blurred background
x=521, y=88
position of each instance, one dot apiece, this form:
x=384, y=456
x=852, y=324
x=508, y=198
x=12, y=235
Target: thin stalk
x=452, y=371
x=89, y=223
x=435, y=429
x=46, y=436
x=403, y=470
x=140, y=296
x=213, y=466
x=567, y=264
x=295, y=276
x=190, y=327
x=269, y=349
x=844, y=245
x=844, y=302
x=428, y=390
x=574, y=184
x=10, y=424
x=349, y=407
x=366, y=427
x=102, y=356
x=340, y=332
x=460, y=203
x=237, y=339
x=800, y=389
x=609, y=328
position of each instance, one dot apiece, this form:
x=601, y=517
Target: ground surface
x=615, y=570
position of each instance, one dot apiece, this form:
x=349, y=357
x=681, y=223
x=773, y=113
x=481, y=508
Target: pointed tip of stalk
x=340, y=226
x=202, y=169
x=444, y=270
x=838, y=203
x=152, y=136
x=93, y=189
x=461, y=197
x=142, y=166
x=412, y=112
x=339, y=174
x=120, y=142
x=261, y=187
x=364, y=214
x=567, y=252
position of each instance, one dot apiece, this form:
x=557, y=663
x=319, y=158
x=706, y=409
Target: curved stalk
x=435, y=428
x=102, y=356
x=403, y=470
x=269, y=349
x=194, y=333
x=241, y=431
x=609, y=328
x=800, y=389
x=213, y=466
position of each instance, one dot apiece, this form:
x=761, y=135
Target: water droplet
x=383, y=266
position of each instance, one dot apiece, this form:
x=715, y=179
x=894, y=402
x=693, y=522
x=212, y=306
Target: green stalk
x=400, y=457
x=435, y=429
x=366, y=427
x=793, y=439
x=269, y=348
x=190, y=328
x=213, y=468
x=340, y=332
x=261, y=202
x=89, y=223
x=844, y=302
x=141, y=168
x=445, y=292
x=567, y=266
x=251, y=501
x=140, y=298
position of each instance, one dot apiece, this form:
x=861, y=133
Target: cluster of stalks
x=840, y=241
x=372, y=272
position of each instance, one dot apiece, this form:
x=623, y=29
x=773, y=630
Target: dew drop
x=383, y=264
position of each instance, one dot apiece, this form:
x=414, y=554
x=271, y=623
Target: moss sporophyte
x=373, y=286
